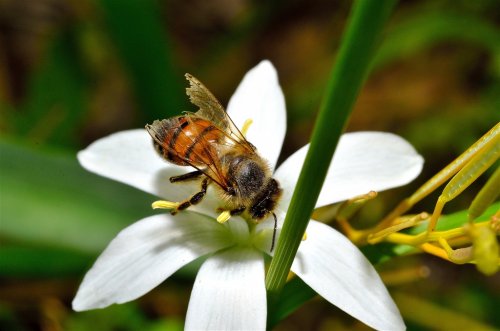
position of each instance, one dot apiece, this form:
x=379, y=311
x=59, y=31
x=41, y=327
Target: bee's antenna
x=274, y=232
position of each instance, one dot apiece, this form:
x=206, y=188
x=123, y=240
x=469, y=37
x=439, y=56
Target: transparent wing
x=211, y=110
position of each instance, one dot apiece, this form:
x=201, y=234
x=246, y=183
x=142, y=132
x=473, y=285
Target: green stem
x=354, y=58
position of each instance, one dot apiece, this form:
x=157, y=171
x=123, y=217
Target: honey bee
x=208, y=141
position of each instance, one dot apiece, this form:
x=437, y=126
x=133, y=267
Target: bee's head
x=265, y=201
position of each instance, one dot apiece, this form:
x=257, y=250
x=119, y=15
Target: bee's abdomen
x=187, y=139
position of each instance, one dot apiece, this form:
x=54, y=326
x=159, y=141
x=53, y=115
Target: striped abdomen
x=181, y=139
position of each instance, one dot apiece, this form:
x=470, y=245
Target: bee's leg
x=176, y=206
x=237, y=211
x=190, y=175
x=197, y=197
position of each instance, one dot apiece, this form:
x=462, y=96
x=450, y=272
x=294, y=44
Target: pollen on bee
x=224, y=216
x=162, y=204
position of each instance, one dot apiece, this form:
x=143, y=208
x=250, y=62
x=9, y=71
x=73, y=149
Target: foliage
x=72, y=72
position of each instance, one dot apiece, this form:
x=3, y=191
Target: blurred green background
x=74, y=71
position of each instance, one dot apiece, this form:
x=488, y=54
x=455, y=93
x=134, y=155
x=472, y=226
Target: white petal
x=260, y=98
x=129, y=157
x=145, y=254
x=264, y=230
x=332, y=266
x=363, y=162
x=229, y=293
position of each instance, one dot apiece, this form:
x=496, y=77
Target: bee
x=208, y=141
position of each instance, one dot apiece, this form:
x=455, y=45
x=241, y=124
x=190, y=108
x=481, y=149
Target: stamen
x=304, y=237
x=224, y=216
x=485, y=250
x=162, y=204
x=246, y=126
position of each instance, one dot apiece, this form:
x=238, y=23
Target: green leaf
x=48, y=199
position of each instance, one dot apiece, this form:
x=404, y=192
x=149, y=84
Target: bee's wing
x=205, y=157
x=211, y=110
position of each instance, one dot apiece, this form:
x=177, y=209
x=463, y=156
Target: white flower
x=229, y=291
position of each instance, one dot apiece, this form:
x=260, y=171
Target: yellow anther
x=246, y=126
x=162, y=204
x=304, y=237
x=224, y=216
x=485, y=246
